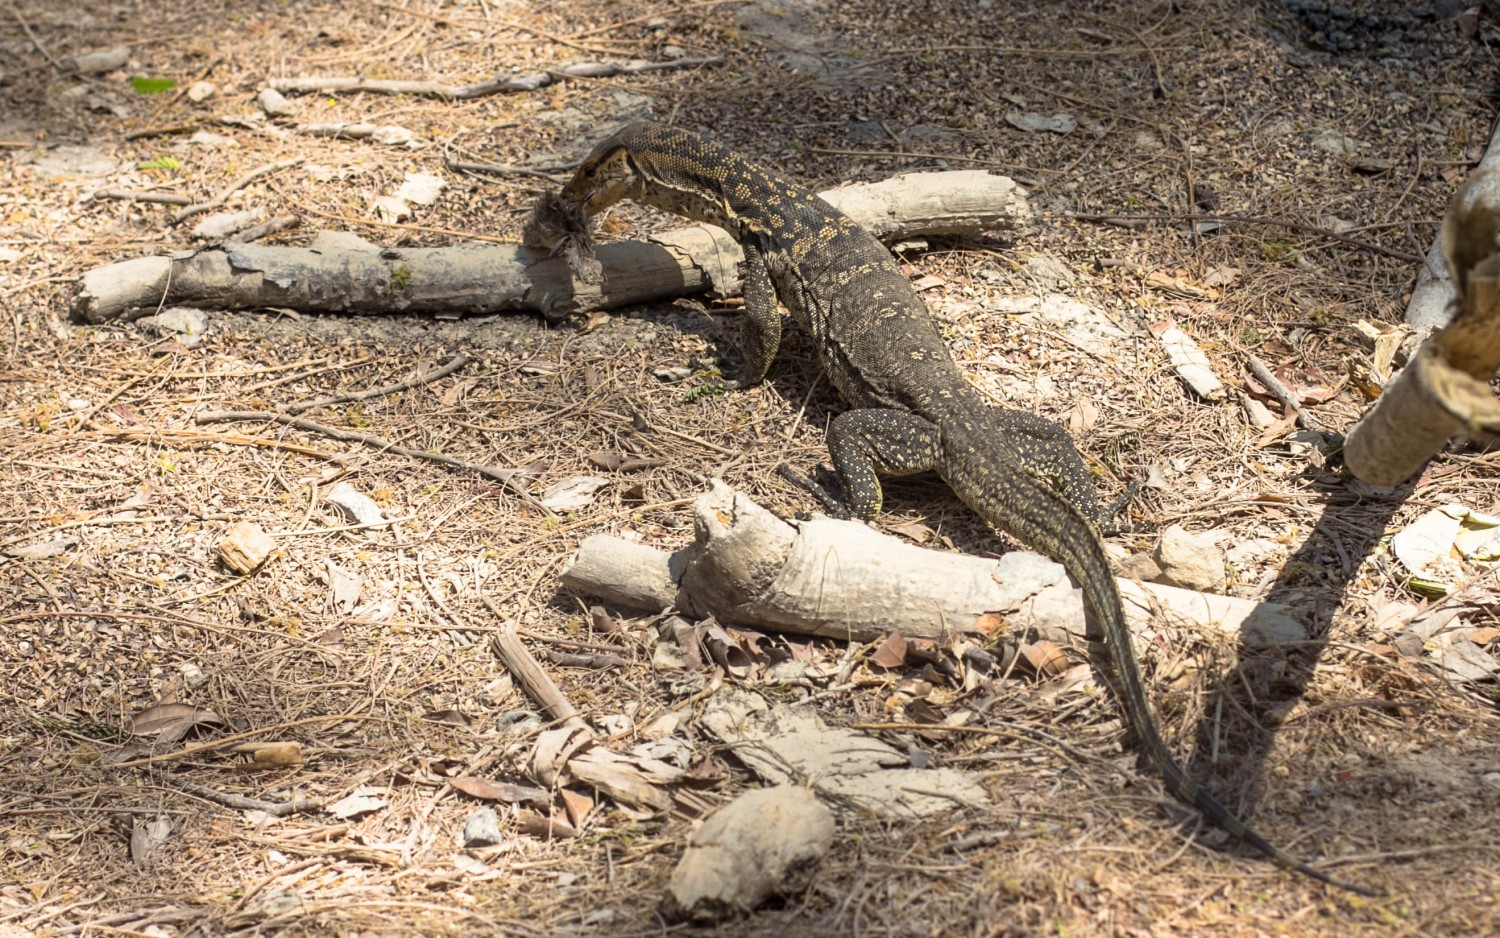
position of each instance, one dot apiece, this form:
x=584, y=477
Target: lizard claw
x=832, y=505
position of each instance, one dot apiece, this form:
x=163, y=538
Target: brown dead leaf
x=593, y=321
x=577, y=805
x=989, y=623
x=891, y=654
x=912, y=529
x=449, y=717
x=609, y=460
x=459, y=390
x=271, y=755
x=535, y=825
x=1308, y=384
x=601, y=621
x=146, y=836
x=172, y=718
x=486, y=790
x=914, y=687
x=1178, y=283
x=1083, y=416
x=1045, y=658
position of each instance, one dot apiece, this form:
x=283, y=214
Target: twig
x=1129, y=220
x=268, y=227
x=454, y=363
x=531, y=81
x=164, y=198
x=524, y=668
x=1264, y=375
x=243, y=802
x=569, y=659
x=15, y=11
x=505, y=477
x=502, y=169
x=232, y=188
x=227, y=741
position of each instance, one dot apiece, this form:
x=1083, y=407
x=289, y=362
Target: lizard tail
x=1027, y=508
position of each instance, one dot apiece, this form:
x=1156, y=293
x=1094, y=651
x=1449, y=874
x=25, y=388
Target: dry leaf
x=988, y=623
x=459, y=390
x=346, y=586
x=573, y=493
x=487, y=790
x=1046, y=658
x=892, y=652
x=1083, y=416
x=537, y=826
x=171, y=717
x=449, y=717
x=277, y=755
x=145, y=838
x=912, y=529
x=601, y=621
x=577, y=805
x=362, y=800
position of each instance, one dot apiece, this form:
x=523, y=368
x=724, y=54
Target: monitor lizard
x=912, y=411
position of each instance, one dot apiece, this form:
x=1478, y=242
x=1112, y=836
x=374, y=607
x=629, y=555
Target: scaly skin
x=912, y=410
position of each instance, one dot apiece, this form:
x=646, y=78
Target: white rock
x=1192, y=561
x=765, y=843
x=274, y=103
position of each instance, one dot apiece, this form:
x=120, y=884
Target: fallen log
x=340, y=272
x=1445, y=388
x=842, y=579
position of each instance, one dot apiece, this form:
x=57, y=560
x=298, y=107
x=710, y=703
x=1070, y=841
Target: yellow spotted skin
x=912, y=409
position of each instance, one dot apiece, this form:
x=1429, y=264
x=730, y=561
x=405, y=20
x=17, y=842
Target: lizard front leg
x=760, y=329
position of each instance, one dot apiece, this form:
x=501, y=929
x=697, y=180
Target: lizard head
x=607, y=176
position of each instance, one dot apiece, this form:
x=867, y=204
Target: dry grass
x=1372, y=761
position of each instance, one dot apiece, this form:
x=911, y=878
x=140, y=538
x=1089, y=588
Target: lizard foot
x=832, y=505
x=1108, y=526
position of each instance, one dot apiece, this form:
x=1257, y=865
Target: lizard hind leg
x=867, y=444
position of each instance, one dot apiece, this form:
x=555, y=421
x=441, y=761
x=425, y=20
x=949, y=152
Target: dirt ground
x=368, y=646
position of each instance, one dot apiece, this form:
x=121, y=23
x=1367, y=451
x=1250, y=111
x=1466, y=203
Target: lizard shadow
x=1252, y=697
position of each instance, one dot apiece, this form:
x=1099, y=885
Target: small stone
x=103, y=60
x=482, y=829
x=765, y=843
x=221, y=225
x=178, y=320
x=245, y=546
x=1139, y=567
x=356, y=505
x=202, y=91
x=274, y=103
x=1191, y=561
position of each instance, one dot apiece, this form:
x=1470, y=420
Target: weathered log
x=340, y=272
x=1446, y=386
x=1432, y=299
x=842, y=579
